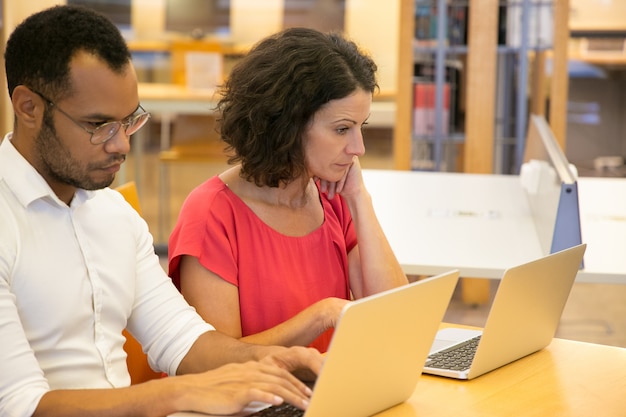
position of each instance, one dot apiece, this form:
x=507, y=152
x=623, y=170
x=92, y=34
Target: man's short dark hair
x=39, y=51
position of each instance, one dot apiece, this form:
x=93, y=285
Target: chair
x=130, y=194
x=136, y=360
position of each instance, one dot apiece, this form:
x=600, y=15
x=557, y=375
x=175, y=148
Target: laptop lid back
x=527, y=309
x=379, y=346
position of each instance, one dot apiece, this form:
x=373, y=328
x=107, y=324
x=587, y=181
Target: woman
x=273, y=248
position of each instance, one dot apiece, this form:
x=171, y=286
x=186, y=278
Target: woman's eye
x=341, y=130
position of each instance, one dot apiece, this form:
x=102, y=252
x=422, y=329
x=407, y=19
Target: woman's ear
x=28, y=107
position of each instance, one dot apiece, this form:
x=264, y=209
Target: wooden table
x=567, y=379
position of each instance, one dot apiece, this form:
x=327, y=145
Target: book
x=540, y=30
x=424, y=116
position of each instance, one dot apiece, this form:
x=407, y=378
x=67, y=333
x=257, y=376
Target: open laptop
x=523, y=318
x=379, y=342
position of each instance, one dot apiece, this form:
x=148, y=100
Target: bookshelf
x=475, y=55
x=481, y=89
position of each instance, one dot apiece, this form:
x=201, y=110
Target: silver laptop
x=378, y=344
x=523, y=319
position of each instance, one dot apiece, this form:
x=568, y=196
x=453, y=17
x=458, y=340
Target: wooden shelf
x=166, y=46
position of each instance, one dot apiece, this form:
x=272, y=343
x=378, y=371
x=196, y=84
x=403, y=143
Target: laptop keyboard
x=282, y=410
x=456, y=358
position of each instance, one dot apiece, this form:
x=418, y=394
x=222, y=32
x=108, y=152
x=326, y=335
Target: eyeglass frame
x=125, y=123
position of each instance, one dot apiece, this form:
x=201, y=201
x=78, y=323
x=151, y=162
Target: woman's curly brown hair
x=274, y=91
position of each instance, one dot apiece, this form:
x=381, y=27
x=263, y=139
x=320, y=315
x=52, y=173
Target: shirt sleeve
x=22, y=383
x=161, y=319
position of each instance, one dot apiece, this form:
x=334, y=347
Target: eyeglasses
x=105, y=131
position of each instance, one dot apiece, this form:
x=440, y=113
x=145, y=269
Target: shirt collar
x=24, y=180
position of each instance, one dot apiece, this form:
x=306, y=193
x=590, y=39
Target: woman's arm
x=373, y=265
x=217, y=301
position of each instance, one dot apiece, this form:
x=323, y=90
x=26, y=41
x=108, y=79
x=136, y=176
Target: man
x=77, y=264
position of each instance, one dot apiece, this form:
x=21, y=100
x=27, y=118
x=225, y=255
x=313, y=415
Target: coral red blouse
x=277, y=275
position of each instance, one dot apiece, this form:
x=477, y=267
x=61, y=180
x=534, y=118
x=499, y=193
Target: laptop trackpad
x=450, y=336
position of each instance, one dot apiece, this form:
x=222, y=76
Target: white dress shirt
x=71, y=279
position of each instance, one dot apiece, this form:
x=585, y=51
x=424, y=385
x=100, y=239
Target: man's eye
x=96, y=125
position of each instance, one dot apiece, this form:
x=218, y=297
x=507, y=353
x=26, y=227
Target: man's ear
x=28, y=107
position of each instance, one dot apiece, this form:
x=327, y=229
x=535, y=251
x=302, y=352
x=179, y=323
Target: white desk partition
x=482, y=224
x=554, y=206
x=551, y=185
x=567, y=229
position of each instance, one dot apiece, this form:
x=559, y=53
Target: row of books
x=539, y=33
x=426, y=23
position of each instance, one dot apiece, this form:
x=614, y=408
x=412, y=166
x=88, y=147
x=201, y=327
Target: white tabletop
x=603, y=222
x=482, y=224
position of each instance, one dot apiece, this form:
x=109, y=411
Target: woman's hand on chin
x=350, y=182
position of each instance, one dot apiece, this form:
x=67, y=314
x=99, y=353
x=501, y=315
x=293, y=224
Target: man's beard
x=60, y=165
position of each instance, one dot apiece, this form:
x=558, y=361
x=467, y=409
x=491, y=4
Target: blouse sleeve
x=206, y=229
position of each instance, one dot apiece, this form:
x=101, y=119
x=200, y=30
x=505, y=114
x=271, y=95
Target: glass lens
x=137, y=123
x=105, y=132
x=108, y=130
